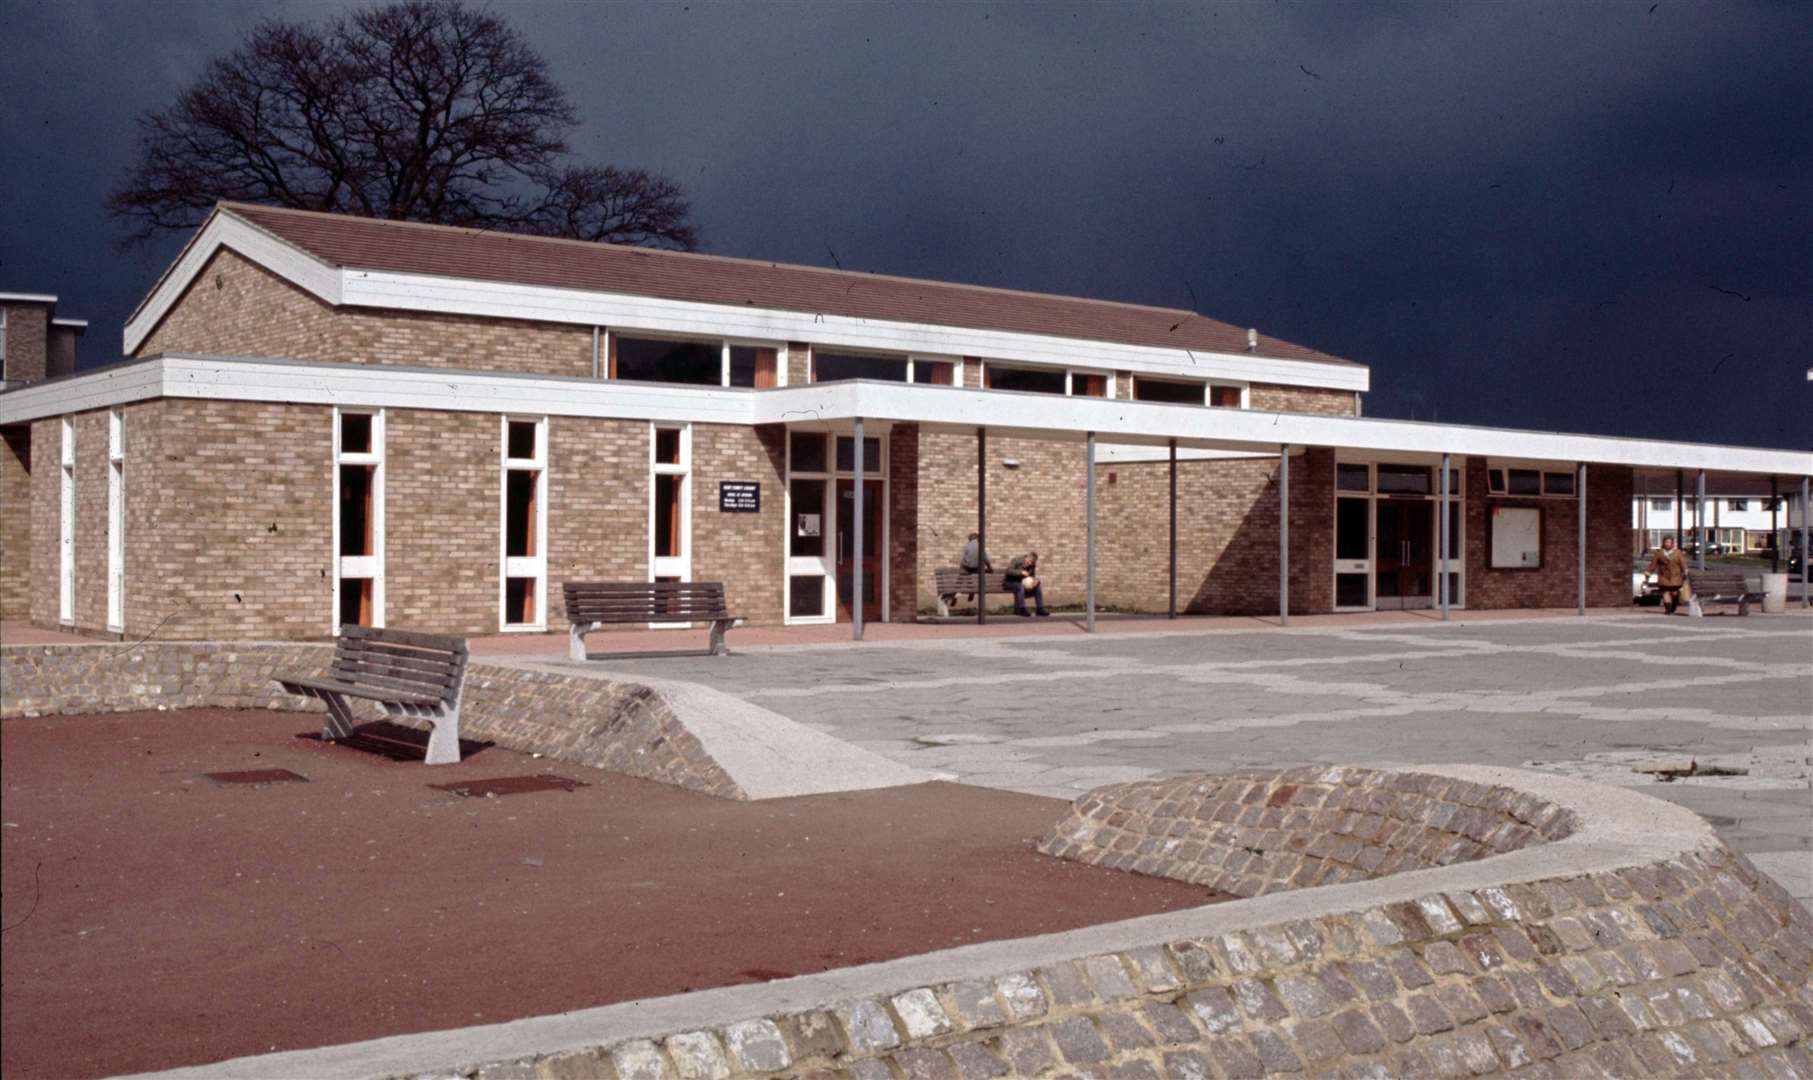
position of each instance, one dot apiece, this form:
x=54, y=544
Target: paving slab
x=1059, y=715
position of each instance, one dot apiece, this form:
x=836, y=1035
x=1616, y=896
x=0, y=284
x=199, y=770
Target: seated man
x=974, y=559
x=1023, y=579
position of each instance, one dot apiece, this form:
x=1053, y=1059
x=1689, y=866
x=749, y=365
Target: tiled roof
x=475, y=254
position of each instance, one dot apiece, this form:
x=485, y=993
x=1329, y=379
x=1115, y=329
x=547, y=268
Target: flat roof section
x=836, y=404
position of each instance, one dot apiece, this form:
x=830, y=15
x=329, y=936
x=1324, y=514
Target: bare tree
x=422, y=110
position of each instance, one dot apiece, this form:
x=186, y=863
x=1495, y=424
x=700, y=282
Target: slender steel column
x=1441, y=545
x=1284, y=535
x=1580, y=495
x=1171, y=611
x=981, y=524
x=1775, y=525
x=1806, y=553
x=856, y=517
x=1699, y=520
x=1680, y=509
x=1089, y=504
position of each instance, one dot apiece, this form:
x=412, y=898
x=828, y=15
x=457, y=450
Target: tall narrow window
x=670, y=504
x=116, y=519
x=525, y=524
x=66, y=526
x=358, y=518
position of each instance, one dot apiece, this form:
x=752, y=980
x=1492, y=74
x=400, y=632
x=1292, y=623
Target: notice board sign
x=739, y=497
x=1516, y=533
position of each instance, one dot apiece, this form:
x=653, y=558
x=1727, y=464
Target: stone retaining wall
x=618, y=726
x=1695, y=966
x=1255, y=832
x=1628, y=942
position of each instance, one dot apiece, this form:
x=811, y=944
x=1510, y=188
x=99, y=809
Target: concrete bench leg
x=339, y=723
x=718, y=627
x=576, y=642
x=444, y=740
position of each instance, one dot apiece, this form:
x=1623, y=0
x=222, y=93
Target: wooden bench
x=409, y=674
x=954, y=581
x=592, y=605
x=1724, y=587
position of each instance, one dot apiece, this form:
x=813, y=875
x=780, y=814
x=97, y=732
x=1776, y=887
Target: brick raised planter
x=622, y=727
x=1585, y=931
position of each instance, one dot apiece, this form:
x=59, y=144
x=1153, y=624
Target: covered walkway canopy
x=846, y=405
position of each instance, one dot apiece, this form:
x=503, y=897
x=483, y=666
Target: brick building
x=327, y=419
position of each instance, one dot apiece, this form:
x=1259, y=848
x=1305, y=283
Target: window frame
x=116, y=519
x=611, y=338
x=375, y=458
x=66, y=523
x=671, y=566
x=527, y=567
x=1498, y=476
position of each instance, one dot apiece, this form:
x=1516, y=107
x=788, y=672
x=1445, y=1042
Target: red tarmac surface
x=156, y=918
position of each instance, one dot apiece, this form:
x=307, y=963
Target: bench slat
x=384, y=682
x=359, y=690
x=379, y=637
x=646, y=609
x=403, y=661
x=406, y=652
x=436, y=680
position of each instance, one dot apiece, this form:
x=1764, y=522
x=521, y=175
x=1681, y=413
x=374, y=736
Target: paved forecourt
x=1582, y=697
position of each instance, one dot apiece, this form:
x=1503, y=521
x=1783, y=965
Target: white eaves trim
x=82, y=323
x=449, y=296
x=224, y=230
x=501, y=300
x=946, y=408
x=28, y=298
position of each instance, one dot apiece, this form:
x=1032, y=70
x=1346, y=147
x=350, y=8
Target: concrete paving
x=1589, y=698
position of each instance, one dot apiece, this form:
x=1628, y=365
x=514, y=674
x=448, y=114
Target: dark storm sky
x=1579, y=217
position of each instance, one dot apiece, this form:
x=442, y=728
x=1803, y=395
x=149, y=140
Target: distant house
x=34, y=343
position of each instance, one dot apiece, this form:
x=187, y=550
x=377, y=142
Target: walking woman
x=1670, y=569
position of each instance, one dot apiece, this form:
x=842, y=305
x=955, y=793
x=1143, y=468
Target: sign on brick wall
x=739, y=497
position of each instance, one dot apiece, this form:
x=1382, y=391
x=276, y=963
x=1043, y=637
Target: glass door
x=1405, y=555
x=873, y=544
x=1353, y=551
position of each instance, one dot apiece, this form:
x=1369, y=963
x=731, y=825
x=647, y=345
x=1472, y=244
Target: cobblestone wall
x=1249, y=833
x=620, y=727
x=1618, y=960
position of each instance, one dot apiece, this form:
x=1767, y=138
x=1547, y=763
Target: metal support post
x=1284, y=535
x=1441, y=545
x=1580, y=496
x=1680, y=510
x=1699, y=520
x=1775, y=525
x=856, y=518
x=981, y=525
x=1171, y=611
x=1806, y=556
x=1089, y=504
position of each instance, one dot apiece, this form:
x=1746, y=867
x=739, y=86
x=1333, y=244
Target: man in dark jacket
x=1023, y=579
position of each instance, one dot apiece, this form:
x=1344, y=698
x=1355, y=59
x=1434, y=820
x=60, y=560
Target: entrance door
x=1406, y=554
x=873, y=544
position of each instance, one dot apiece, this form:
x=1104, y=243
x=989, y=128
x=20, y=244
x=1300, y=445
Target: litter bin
x=1775, y=593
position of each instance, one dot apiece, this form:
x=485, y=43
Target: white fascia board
x=119, y=384
x=288, y=262
x=74, y=323
x=453, y=296
x=1151, y=423
x=935, y=407
x=27, y=298
x=383, y=386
